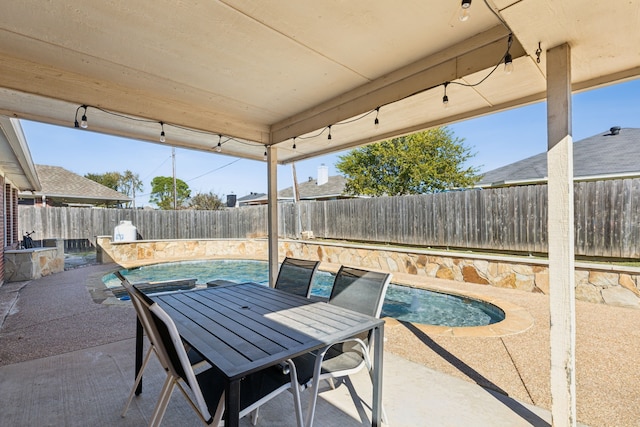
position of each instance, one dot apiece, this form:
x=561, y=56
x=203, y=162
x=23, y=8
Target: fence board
x=607, y=220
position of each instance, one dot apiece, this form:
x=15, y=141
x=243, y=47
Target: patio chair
x=359, y=290
x=207, y=388
x=195, y=358
x=295, y=276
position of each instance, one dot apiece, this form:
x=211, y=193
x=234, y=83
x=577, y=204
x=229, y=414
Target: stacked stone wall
x=595, y=283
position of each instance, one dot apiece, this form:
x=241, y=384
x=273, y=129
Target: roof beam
x=475, y=54
x=55, y=83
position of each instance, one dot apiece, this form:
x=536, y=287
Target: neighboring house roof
x=15, y=159
x=68, y=187
x=609, y=155
x=251, y=196
x=309, y=190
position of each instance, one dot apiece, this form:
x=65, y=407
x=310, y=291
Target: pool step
x=220, y=282
x=161, y=286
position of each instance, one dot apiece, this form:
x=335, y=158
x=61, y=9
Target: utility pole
x=175, y=194
x=296, y=199
x=175, y=189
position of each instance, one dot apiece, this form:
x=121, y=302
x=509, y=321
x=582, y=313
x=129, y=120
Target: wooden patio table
x=244, y=328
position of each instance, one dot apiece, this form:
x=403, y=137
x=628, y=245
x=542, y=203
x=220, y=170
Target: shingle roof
x=58, y=182
x=310, y=189
x=603, y=155
x=251, y=196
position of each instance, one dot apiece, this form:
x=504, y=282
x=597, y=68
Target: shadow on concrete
x=498, y=393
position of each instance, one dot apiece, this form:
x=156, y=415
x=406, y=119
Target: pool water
x=401, y=302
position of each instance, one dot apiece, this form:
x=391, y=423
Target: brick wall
x=2, y=229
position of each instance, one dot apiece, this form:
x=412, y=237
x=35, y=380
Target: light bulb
x=508, y=64
x=265, y=153
x=465, y=13
x=84, y=124
x=376, y=122
x=445, y=101
x=218, y=148
x=329, y=136
x=162, y=138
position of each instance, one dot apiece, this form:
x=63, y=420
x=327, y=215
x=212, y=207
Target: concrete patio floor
x=67, y=360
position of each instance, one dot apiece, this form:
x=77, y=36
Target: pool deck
x=67, y=359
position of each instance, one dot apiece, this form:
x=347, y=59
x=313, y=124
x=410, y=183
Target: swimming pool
x=401, y=302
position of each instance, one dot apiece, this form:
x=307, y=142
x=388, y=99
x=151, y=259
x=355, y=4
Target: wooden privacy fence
x=511, y=219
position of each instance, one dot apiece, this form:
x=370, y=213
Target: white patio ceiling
x=265, y=72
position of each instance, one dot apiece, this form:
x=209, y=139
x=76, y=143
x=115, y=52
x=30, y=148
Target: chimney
x=615, y=130
x=323, y=174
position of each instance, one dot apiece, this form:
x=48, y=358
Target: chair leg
x=314, y=389
x=138, y=379
x=295, y=389
x=163, y=402
x=254, y=416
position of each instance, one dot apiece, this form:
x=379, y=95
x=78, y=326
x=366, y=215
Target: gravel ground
x=607, y=356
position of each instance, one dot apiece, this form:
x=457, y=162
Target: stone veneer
x=29, y=264
x=594, y=282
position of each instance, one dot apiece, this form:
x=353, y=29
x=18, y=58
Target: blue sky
x=497, y=140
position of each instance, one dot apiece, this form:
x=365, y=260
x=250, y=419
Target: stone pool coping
x=517, y=319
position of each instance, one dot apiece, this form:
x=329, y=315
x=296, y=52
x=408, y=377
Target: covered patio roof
x=261, y=78
x=262, y=74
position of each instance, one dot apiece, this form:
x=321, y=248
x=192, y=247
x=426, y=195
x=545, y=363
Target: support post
x=272, y=212
x=561, y=237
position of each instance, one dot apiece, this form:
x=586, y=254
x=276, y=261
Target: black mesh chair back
x=296, y=275
x=360, y=290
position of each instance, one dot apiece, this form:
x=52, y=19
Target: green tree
x=162, y=192
x=130, y=183
x=424, y=162
x=206, y=202
x=108, y=179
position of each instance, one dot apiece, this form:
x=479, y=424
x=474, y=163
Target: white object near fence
x=125, y=232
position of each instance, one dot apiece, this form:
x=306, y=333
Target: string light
x=83, y=124
x=508, y=64
x=445, y=98
x=508, y=61
x=162, y=137
x=465, y=13
x=218, y=148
